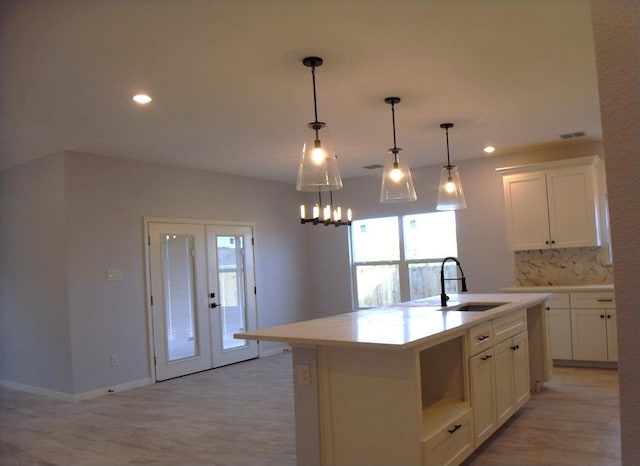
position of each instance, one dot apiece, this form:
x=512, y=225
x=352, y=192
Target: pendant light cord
x=393, y=119
x=315, y=102
x=448, y=159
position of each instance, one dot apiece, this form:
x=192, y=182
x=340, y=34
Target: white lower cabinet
x=594, y=334
x=559, y=319
x=582, y=327
x=499, y=375
x=483, y=395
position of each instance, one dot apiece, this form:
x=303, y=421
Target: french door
x=202, y=291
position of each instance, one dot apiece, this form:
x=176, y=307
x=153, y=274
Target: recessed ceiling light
x=489, y=149
x=142, y=98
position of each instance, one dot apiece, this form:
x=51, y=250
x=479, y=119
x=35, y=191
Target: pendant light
x=318, y=169
x=397, y=184
x=450, y=194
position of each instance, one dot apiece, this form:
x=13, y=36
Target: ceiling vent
x=373, y=167
x=577, y=134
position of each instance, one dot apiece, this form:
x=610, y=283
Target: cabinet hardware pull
x=455, y=427
x=483, y=337
x=602, y=316
x=608, y=300
x=608, y=316
x=515, y=347
x=484, y=358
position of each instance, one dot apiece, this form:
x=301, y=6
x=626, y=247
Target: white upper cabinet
x=551, y=206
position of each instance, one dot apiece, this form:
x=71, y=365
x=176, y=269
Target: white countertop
x=558, y=288
x=400, y=326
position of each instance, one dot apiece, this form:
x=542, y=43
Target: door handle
x=213, y=305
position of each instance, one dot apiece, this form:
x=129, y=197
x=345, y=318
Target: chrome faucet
x=443, y=296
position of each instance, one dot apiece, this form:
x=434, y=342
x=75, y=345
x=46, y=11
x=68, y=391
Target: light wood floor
x=243, y=415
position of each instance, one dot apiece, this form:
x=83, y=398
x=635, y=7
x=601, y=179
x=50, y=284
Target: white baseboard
x=114, y=389
x=37, y=390
x=77, y=397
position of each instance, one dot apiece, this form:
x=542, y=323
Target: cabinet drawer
x=593, y=299
x=509, y=325
x=452, y=444
x=559, y=301
x=480, y=338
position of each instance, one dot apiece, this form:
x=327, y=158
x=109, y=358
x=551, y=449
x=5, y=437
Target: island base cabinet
x=380, y=407
x=512, y=376
x=452, y=444
x=505, y=402
x=482, y=372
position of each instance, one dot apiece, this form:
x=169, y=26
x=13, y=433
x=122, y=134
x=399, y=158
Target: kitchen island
x=413, y=383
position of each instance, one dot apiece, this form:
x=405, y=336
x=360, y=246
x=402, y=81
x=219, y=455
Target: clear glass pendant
x=397, y=183
x=450, y=193
x=318, y=170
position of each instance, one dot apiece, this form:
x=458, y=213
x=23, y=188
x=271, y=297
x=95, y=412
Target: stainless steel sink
x=473, y=307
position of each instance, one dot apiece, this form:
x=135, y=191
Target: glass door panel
x=231, y=281
x=179, y=296
x=178, y=286
x=231, y=288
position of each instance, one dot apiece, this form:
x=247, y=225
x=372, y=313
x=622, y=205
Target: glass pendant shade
x=318, y=170
x=450, y=193
x=397, y=184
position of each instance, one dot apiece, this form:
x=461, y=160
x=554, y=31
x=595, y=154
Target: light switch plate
x=114, y=274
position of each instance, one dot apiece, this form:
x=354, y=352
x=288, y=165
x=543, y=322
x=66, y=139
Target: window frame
x=402, y=263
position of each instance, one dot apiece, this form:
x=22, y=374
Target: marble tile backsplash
x=570, y=266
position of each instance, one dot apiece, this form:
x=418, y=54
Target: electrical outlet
x=114, y=360
x=304, y=374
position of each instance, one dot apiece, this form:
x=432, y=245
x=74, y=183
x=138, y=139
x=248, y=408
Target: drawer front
x=509, y=325
x=559, y=301
x=593, y=299
x=451, y=445
x=480, y=338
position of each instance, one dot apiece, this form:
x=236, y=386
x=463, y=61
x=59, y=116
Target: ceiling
x=230, y=93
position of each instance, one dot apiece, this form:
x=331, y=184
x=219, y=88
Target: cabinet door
x=520, y=353
x=505, y=400
x=525, y=197
x=612, y=335
x=572, y=214
x=560, y=333
x=481, y=368
x=589, y=334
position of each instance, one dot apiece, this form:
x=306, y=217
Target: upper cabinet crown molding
x=552, y=205
x=542, y=166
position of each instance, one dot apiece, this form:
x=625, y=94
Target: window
x=397, y=259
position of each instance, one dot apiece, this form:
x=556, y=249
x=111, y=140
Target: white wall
x=77, y=215
x=34, y=320
x=482, y=242
x=616, y=27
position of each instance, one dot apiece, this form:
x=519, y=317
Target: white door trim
x=147, y=265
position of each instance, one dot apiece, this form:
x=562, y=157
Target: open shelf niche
x=444, y=387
